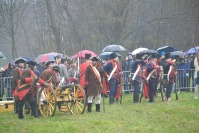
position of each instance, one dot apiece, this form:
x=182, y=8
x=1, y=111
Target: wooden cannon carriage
x=70, y=97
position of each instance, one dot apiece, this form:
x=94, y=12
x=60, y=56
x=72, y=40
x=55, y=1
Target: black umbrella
x=178, y=53
x=106, y=55
x=149, y=52
x=113, y=48
x=165, y=49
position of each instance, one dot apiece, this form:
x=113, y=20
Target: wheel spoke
x=47, y=102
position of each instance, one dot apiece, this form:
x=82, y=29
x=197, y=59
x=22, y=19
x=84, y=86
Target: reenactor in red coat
x=50, y=75
x=169, y=75
x=113, y=73
x=137, y=74
x=152, y=76
x=93, y=84
x=17, y=72
x=28, y=88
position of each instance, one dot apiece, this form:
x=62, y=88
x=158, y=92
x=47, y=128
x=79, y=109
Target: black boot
x=16, y=106
x=34, y=110
x=89, y=107
x=111, y=99
x=97, y=107
x=20, y=110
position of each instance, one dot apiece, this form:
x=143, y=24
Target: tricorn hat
x=94, y=58
x=20, y=60
x=56, y=68
x=32, y=63
x=87, y=56
x=113, y=55
x=57, y=56
x=47, y=63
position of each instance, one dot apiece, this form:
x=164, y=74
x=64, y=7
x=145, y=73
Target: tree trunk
x=54, y=26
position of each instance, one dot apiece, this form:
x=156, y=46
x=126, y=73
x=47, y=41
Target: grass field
x=177, y=116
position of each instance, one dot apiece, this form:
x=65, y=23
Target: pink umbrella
x=47, y=57
x=81, y=54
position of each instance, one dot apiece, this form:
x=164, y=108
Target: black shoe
x=21, y=117
x=89, y=107
x=97, y=107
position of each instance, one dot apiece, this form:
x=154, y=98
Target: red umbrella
x=82, y=53
x=47, y=57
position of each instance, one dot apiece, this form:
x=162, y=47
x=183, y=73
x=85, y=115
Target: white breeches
x=97, y=99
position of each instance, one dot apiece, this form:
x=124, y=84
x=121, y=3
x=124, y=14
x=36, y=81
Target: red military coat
x=83, y=68
x=17, y=72
x=26, y=83
x=93, y=79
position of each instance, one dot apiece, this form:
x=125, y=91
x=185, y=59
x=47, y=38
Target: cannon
x=69, y=97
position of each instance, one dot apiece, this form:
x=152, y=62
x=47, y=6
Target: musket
x=161, y=86
x=176, y=89
x=121, y=88
x=103, y=95
x=142, y=93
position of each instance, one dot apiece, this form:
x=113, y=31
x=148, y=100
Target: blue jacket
x=197, y=79
x=184, y=68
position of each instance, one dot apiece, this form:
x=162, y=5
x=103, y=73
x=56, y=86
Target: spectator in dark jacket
x=8, y=79
x=183, y=72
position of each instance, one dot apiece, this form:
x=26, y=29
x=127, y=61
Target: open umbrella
x=149, y=52
x=138, y=50
x=27, y=58
x=81, y=54
x=47, y=57
x=106, y=55
x=193, y=50
x=113, y=48
x=178, y=53
x=165, y=49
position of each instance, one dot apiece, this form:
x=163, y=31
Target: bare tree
x=11, y=13
x=54, y=25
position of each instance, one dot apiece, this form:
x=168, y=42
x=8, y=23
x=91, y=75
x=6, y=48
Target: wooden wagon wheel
x=77, y=102
x=46, y=101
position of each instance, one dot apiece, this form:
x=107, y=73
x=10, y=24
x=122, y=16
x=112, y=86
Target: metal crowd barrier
x=127, y=87
x=184, y=80
x=5, y=89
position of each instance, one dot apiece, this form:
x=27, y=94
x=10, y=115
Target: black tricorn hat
x=32, y=63
x=56, y=68
x=167, y=55
x=139, y=56
x=87, y=56
x=113, y=55
x=49, y=62
x=20, y=60
x=94, y=58
x=57, y=56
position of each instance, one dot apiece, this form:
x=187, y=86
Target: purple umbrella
x=46, y=57
x=193, y=50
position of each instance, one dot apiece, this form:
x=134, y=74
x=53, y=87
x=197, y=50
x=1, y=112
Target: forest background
x=32, y=27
